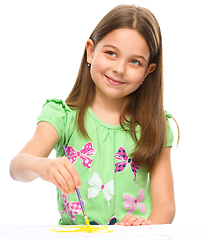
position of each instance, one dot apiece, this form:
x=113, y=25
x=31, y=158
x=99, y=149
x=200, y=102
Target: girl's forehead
x=126, y=39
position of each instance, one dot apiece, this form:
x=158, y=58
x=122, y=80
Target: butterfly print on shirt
x=112, y=221
x=97, y=186
x=74, y=208
x=131, y=203
x=83, y=154
x=124, y=161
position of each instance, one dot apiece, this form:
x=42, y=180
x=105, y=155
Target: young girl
x=114, y=128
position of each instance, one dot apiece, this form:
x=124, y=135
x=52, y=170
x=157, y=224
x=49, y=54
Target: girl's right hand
x=32, y=161
x=61, y=172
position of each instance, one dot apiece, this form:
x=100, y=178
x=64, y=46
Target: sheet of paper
x=154, y=232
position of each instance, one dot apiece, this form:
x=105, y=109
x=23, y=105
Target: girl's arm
x=162, y=190
x=32, y=161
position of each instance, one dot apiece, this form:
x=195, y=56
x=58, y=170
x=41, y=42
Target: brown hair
x=145, y=105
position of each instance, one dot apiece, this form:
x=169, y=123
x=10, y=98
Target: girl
x=114, y=128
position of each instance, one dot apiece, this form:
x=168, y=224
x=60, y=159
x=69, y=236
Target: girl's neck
x=107, y=109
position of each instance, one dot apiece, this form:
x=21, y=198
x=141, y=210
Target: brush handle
x=65, y=152
x=81, y=203
x=77, y=190
x=80, y=200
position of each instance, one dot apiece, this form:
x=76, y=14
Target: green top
x=111, y=185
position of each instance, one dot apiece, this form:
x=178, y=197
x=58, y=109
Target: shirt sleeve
x=170, y=135
x=57, y=113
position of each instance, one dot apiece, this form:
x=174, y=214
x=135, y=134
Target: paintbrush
x=80, y=200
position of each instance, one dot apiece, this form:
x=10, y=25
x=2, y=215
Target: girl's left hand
x=132, y=220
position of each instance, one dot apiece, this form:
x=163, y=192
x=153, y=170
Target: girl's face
x=119, y=62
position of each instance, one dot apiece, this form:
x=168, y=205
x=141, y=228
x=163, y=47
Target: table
x=153, y=232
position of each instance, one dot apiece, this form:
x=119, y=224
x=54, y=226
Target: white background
x=41, y=45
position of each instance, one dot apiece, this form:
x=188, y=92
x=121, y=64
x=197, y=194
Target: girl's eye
x=135, y=62
x=112, y=54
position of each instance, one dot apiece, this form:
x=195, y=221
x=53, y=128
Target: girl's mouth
x=113, y=81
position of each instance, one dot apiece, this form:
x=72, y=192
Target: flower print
x=124, y=161
x=131, y=203
x=108, y=188
x=83, y=154
x=73, y=207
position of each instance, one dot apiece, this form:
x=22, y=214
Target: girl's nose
x=119, y=67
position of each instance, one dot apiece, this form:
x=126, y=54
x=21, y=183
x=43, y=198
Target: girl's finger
x=124, y=219
x=146, y=222
x=67, y=181
x=55, y=182
x=130, y=220
x=138, y=222
x=73, y=172
x=60, y=182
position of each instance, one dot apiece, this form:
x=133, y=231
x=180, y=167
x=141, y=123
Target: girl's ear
x=150, y=69
x=90, y=50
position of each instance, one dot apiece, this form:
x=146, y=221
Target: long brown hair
x=145, y=105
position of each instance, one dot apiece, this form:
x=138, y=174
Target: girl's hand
x=61, y=172
x=132, y=220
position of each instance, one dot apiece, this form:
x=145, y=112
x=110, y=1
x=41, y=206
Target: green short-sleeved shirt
x=111, y=185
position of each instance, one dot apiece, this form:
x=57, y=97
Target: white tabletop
x=154, y=232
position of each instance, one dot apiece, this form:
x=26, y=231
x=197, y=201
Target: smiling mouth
x=113, y=81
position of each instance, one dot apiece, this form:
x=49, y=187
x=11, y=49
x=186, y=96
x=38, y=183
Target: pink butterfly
x=123, y=157
x=73, y=207
x=86, y=151
x=131, y=203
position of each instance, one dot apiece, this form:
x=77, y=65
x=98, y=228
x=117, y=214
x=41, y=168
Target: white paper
x=153, y=232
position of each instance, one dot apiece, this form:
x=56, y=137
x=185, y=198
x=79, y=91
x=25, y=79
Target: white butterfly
x=108, y=188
